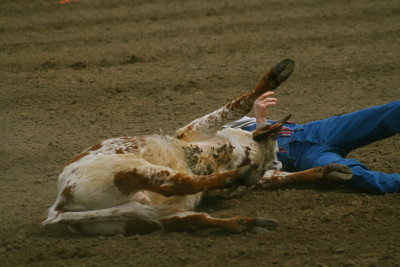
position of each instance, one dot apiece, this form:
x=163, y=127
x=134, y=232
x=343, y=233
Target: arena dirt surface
x=77, y=73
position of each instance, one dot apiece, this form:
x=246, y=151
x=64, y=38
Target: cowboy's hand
x=262, y=104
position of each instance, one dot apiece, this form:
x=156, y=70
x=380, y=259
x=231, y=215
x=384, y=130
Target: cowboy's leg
x=363, y=178
x=347, y=132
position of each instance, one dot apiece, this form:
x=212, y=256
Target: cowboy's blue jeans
x=327, y=141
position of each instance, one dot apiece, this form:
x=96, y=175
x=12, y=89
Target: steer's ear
x=270, y=131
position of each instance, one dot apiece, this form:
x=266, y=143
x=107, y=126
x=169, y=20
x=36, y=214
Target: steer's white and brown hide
x=138, y=184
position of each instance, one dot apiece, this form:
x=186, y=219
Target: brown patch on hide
x=67, y=196
x=224, y=114
x=128, y=182
x=85, y=153
x=95, y=147
x=133, y=147
x=131, y=181
x=246, y=160
x=132, y=144
x=78, y=157
x=179, y=184
x=185, y=133
x=274, y=181
x=128, y=144
x=222, y=154
x=192, y=157
x=225, y=150
x=119, y=151
x=243, y=103
x=164, y=173
x=184, y=184
x=201, y=163
x=67, y=192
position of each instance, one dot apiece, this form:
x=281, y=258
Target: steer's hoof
x=339, y=172
x=280, y=72
x=264, y=225
x=248, y=175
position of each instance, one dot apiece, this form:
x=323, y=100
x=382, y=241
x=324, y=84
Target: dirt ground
x=77, y=73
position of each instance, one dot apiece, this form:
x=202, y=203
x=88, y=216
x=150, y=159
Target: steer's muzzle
x=270, y=131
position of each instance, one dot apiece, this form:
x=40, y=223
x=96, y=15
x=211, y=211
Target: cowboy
x=322, y=142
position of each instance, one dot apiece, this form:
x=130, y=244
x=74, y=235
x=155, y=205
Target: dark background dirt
x=74, y=74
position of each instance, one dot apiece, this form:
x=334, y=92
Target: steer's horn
x=285, y=119
x=270, y=130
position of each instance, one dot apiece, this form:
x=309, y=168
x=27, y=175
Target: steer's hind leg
x=237, y=108
x=334, y=173
x=126, y=218
x=123, y=212
x=192, y=221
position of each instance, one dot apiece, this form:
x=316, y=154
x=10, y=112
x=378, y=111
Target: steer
x=131, y=185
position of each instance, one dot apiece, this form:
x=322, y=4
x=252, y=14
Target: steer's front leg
x=331, y=173
x=168, y=182
x=207, y=125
